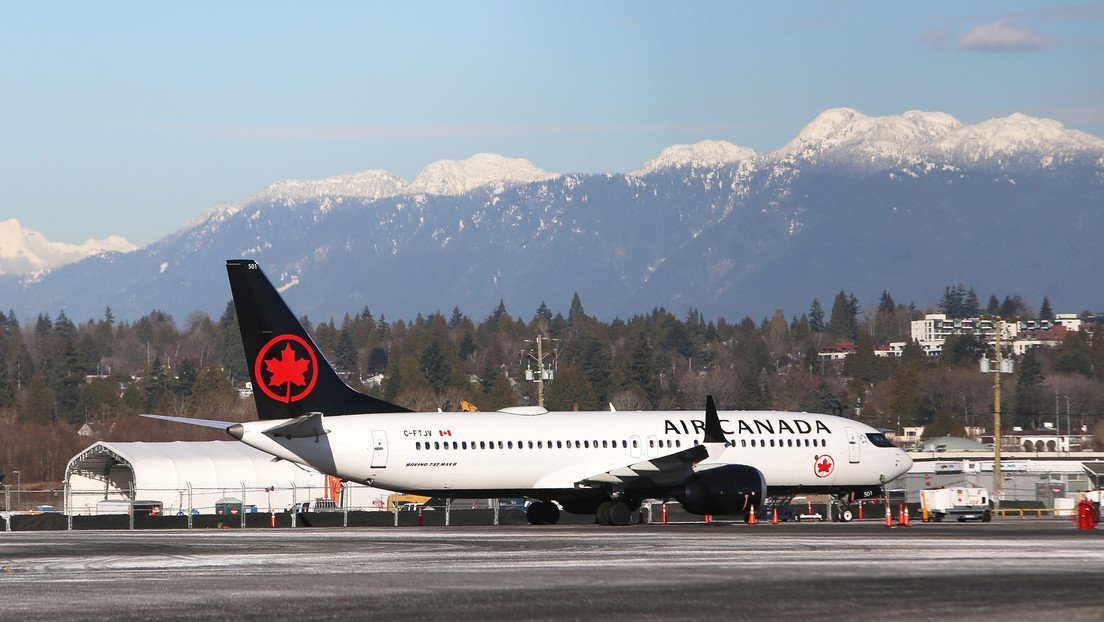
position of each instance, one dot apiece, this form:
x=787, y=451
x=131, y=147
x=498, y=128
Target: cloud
x=1004, y=36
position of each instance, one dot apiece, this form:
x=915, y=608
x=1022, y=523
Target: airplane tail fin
x=290, y=375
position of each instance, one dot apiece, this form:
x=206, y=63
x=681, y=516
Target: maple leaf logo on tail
x=287, y=370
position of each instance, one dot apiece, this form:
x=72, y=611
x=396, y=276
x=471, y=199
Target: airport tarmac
x=1008, y=570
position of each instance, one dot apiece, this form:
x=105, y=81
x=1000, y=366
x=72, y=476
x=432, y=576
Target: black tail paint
x=290, y=376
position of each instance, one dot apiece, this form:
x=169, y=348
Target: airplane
x=604, y=463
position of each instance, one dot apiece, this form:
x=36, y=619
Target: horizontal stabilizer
x=306, y=426
x=207, y=423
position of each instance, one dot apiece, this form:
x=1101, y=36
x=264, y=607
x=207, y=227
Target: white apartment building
x=934, y=329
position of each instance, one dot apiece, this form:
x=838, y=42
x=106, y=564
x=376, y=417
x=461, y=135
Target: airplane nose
x=904, y=461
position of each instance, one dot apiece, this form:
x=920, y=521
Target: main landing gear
x=542, y=513
x=614, y=513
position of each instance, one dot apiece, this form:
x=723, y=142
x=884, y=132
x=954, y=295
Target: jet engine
x=730, y=489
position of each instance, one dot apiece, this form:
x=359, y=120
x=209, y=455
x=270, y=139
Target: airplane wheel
x=602, y=517
x=618, y=514
x=845, y=515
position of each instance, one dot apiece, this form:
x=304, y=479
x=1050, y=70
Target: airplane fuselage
x=519, y=453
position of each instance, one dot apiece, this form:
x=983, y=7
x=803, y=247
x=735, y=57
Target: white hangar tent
x=188, y=476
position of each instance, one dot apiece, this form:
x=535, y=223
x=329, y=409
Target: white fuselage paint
x=502, y=451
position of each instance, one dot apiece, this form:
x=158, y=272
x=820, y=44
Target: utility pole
x=996, y=493
x=543, y=371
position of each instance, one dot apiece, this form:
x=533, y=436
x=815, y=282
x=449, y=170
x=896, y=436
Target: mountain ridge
x=712, y=225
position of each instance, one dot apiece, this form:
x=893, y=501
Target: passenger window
x=634, y=443
x=772, y=442
x=464, y=444
x=482, y=445
x=586, y=444
x=559, y=444
x=509, y=444
x=743, y=442
x=418, y=445
x=678, y=443
x=436, y=445
x=500, y=445
x=604, y=446
x=651, y=443
x=540, y=444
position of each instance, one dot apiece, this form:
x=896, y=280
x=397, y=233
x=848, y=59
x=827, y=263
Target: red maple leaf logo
x=824, y=466
x=287, y=369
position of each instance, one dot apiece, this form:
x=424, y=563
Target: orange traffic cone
x=860, y=511
x=272, y=515
x=774, y=517
x=664, y=512
x=752, y=518
x=420, y=517
x=904, y=516
x=889, y=517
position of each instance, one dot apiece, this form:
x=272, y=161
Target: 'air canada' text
x=748, y=426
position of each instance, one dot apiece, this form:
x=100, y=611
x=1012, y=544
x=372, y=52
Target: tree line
x=58, y=377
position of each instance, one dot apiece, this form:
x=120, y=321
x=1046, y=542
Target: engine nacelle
x=730, y=489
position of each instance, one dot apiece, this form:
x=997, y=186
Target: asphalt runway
x=1009, y=570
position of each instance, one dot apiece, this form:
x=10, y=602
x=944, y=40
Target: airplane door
x=853, y=448
x=379, y=449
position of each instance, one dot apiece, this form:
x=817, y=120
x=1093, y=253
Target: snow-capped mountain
x=454, y=177
x=704, y=154
x=910, y=203
x=27, y=252
x=847, y=136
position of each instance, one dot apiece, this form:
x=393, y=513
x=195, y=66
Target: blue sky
x=131, y=118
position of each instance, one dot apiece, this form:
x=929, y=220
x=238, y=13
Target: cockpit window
x=879, y=440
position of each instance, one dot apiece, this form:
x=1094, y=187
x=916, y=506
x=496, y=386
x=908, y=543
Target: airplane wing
x=670, y=469
x=661, y=471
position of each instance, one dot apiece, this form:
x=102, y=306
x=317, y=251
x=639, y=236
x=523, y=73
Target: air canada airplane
x=602, y=463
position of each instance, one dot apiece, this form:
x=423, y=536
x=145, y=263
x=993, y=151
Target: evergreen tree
x=640, y=368
x=993, y=308
x=1030, y=399
x=466, y=347
x=1045, y=312
x=345, y=355
x=231, y=350
x=953, y=302
x=543, y=315
x=377, y=361
x=576, y=314
x=971, y=306
x=456, y=318
x=435, y=366
x=842, y=323
x=38, y=407
x=1074, y=356
x=886, y=304
x=816, y=317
